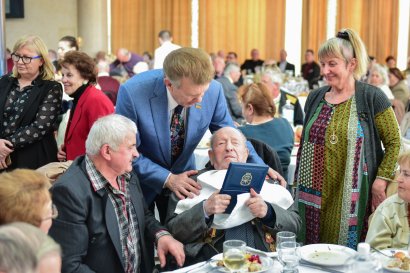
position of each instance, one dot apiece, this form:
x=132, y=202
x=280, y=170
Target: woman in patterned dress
x=342, y=170
x=30, y=101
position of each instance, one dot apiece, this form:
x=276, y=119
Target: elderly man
x=272, y=80
x=194, y=225
x=249, y=66
x=166, y=46
x=124, y=64
x=283, y=63
x=173, y=108
x=231, y=75
x=103, y=224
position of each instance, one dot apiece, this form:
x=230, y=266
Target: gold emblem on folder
x=246, y=179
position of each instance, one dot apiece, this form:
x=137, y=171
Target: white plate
x=386, y=261
x=326, y=254
x=267, y=263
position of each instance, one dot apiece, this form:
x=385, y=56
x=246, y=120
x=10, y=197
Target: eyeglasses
x=54, y=213
x=26, y=60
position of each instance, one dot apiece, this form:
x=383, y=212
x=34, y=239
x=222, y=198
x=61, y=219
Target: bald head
x=123, y=55
x=227, y=145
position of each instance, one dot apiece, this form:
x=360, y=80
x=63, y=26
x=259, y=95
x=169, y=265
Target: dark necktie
x=177, y=133
x=242, y=232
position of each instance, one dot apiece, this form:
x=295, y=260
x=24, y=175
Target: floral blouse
x=44, y=122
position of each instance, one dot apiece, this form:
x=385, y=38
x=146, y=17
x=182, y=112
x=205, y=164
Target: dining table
x=204, y=267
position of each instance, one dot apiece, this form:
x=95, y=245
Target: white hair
x=232, y=129
x=231, y=67
x=275, y=77
x=382, y=72
x=112, y=130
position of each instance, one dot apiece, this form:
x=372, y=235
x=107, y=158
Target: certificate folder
x=240, y=178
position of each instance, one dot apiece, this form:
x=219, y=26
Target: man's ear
x=167, y=82
x=105, y=152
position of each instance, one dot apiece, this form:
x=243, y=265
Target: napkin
x=212, y=181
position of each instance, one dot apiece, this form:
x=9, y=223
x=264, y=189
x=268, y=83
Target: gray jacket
x=192, y=228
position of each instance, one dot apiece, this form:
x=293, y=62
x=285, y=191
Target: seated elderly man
x=103, y=223
x=200, y=223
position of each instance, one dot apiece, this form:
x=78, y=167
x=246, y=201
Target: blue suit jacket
x=144, y=100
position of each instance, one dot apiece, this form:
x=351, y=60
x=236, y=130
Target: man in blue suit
x=150, y=100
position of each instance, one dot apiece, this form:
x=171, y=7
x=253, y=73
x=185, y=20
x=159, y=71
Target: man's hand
x=216, y=203
x=167, y=244
x=182, y=185
x=257, y=206
x=61, y=155
x=276, y=176
x=378, y=192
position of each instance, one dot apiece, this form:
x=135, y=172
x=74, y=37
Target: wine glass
x=234, y=254
x=284, y=236
x=289, y=256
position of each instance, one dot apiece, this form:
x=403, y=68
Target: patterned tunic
x=332, y=178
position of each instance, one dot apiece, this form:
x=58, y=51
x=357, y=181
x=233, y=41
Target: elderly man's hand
x=167, y=244
x=182, y=185
x=378, y=192
x=276, y=176
x=257, y=206
x=216, y=203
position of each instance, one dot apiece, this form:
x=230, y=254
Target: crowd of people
x=124, y=151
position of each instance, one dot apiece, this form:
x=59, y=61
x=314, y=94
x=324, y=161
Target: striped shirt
x=125, y=213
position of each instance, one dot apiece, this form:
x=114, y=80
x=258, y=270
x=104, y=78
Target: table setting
x=290, y=257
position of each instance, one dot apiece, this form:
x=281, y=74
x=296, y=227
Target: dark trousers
x=161, y=201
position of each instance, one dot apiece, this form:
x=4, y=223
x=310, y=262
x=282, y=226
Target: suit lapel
x=159, y=112
x=112, y=227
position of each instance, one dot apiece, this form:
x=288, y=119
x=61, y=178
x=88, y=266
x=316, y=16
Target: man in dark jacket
x=103, y=223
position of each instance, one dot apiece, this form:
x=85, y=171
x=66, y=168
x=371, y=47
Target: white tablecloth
x=276, y=269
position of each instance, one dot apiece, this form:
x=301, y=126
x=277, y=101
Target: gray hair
x=274, y=76
x=112, y=130
x=382, y=72
x=15, y=256
x=231, y=67
x=37, y=240
x=214, y=135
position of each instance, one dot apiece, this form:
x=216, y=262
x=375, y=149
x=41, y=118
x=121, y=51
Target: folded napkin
x=212, y=181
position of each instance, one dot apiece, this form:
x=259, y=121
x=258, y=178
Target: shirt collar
x=98, y=181
x=171, y=101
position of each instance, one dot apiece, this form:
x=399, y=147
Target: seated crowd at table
x=87, y=162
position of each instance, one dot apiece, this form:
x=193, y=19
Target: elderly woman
x=342, y=171
x=378, y=77
x=47, y=251
x=30, y=101
x=259, y=109
x=398, y=86
x=89, y=103
x=389, y=227
x=25, y=197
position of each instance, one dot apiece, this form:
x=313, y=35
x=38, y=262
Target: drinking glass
x=289, y=256
x=234, y=254
x=284, y=236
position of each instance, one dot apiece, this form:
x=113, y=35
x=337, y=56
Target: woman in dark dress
x=30, y=101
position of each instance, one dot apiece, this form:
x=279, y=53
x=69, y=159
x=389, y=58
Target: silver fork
x=384, y=254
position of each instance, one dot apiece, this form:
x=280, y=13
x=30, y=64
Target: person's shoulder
x=392, y=201
x=72, y=178
x=292, y=98
x=150, y=77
